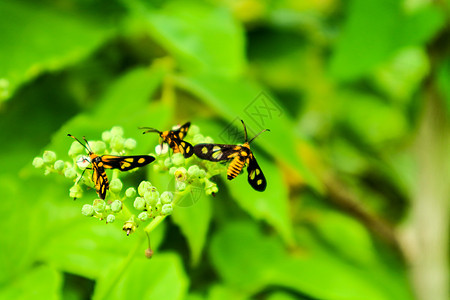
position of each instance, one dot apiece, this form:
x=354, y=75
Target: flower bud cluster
x=186, y=173
x=151, y=203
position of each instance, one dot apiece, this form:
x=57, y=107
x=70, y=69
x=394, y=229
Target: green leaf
x=383, y=123
x=194, y=224
x=161, y=277
x=240, y=244
x=202, y=37
x=272, y=205
x=237, y=99
x=46, y=40
x=21, y=216
x=283, y=296
x=42, y=282
x=87, y=246
x=221, y=292
x=399, y=82
x=365, y=43
x=307, y=271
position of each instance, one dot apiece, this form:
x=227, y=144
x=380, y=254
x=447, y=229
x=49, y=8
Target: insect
x=100, y=163
x=239, y=155
x=174, y=138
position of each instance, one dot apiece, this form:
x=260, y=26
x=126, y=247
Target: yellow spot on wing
x=141, y=160
x=204, y=150
x=258, y=171
x=252, y=175
x=259, y=182
x=216, y=148
x=217, y=155
x=125, y=165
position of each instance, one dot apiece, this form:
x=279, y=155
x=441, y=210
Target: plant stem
x=427, y=236
x=154, y=223
x=122, y=268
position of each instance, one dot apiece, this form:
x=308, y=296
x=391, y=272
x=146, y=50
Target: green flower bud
x=116, y=185
x=70, y=173
x=143, y=187
x=117, y=131
x=201, y=173
x=172, y=170
x=130, y=144
x=106, y=136
x=151, y=197
x=209, y=140
x=210, y=187
x=38, y=162
x=178, y=159
x=180, y=174
x=143, y=216
x=59, y=165
x=49, y=157
x=98, y=146
x=76, y=149
x=75, y=191
x=168, y=162
x=99, y=205
x=167, y=209
x=87, y=210
x=130, y=192
x=157, y=208
x=166, y=197
x=117, y=143
x=162, y=150
x=116, y=206
x=198, y=139
x=110, y=218
x=193, y=171
x=193, y=130
x=139, y=203
x=181, y=186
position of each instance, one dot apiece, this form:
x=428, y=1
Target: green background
x=356, y=95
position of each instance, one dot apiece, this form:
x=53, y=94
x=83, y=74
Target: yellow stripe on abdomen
x=235, y=168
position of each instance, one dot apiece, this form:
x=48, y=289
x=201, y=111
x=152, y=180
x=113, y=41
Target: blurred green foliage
x=342, y=85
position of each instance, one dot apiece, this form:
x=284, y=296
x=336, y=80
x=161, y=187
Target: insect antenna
x=88, y=149
x=258, y=134
x=245, y=130
x=88, y=146
x=149, y=129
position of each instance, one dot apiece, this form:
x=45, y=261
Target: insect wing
x=255, y=175
x=100, y=180
x=181, y=132
x=216, y=152
x=125, y=163
x=181, y=146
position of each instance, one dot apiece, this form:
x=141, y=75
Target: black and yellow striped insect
x=100, y=163
x=174, y=138
x=239, y=155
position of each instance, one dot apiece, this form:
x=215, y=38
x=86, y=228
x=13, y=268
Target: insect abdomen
x=235, y=167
